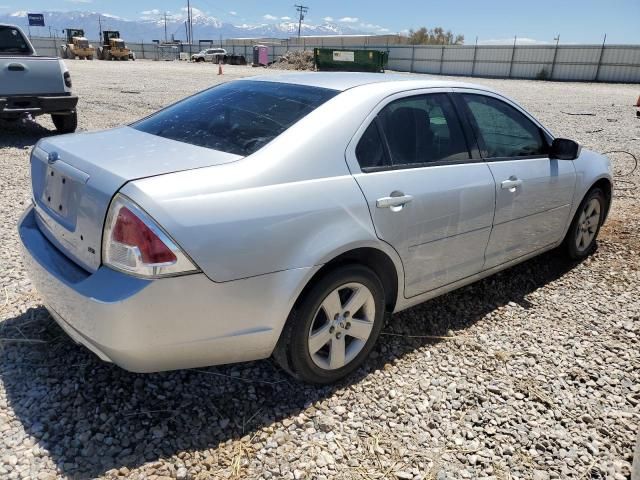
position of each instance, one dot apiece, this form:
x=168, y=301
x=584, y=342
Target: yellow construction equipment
x=77, y=45
x=113, y=47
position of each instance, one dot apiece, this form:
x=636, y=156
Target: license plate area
x=63, y=187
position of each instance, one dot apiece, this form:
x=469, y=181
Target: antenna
x=302, y=10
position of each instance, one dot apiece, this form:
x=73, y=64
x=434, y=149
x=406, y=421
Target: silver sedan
x=288, y=215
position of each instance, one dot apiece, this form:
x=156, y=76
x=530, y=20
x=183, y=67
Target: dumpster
x=260, y=55
x=350, y=60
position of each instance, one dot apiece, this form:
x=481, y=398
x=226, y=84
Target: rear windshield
x=12, y=41
x=237, y=117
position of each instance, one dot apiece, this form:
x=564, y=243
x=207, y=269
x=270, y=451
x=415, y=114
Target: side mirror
x=564, y=149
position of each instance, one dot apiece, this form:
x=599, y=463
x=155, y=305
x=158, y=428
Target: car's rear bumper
x=15, y=105
x=153, y=325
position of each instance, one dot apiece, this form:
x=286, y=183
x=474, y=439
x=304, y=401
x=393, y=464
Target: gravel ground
x=532, y=373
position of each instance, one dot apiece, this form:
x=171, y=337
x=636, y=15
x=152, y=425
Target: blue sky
x=577, y=21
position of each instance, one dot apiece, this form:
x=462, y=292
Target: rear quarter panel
x=292, y=204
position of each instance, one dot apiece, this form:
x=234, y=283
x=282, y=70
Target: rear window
x=237, y=117
x=12, y=41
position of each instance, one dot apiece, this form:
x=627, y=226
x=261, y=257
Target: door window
x=502, y=130
x=422, y=130
x=370, y=151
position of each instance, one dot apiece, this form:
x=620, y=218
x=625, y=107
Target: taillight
x=134, y=243
x=67, y=79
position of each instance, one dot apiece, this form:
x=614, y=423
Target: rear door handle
x=511, y=184
x=393, y=201
x=16, y=67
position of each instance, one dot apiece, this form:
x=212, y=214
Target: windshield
x=12, y=41
x=237, y=117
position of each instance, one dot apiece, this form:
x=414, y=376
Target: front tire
x=66, y=123
x=334, y=326
x=580, y=241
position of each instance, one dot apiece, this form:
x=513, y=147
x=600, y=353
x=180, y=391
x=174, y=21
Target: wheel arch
x=388, y=271
x=605, y=184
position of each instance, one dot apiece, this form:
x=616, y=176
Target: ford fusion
x=289, y=215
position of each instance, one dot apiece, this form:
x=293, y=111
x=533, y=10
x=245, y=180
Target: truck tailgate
x=30, y=75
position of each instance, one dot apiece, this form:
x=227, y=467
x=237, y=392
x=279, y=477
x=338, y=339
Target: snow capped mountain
x=151, y=26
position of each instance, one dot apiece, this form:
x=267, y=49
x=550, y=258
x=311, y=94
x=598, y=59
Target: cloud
x=79, y=1
x=328, y=19
x=268, y=16
x=233, y=12
x=155, y=11
x=509, y=41
x=349, y=20
x=285, y=18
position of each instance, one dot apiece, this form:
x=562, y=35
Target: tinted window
x=423, y=129
x=12, y=41
x=237, y=117
x=370, y=151
x=502, y=130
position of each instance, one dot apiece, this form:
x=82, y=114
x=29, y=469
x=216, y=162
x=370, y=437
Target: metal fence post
x=513, y=54
x=142, y=46
x=413, y=57
x=555, y=55
x=441, y=59
x=600, y=59
x=475, y=52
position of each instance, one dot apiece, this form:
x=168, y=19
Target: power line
x=302, y=10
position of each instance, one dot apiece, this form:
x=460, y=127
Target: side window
x=502, y=130
x=423, y=129
x=370, y=151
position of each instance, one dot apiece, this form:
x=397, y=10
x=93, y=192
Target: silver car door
x=533, y=192
x=427, y=196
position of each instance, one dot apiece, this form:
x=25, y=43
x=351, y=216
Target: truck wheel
x=65, y=123
x=63, y=52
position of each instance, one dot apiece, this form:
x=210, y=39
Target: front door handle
x=16, y=67
x=512, y=184
x=395, y=202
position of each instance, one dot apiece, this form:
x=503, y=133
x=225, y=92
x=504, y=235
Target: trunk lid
x=30, y=75
x=74, y=178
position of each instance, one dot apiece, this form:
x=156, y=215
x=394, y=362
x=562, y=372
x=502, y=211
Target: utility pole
x=302, y=10
x=190, y=34
x=165, y=27
x=100, y=27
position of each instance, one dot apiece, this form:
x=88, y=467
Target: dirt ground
x=531, y=373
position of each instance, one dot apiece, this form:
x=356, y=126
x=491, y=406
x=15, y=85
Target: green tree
x=435, y=36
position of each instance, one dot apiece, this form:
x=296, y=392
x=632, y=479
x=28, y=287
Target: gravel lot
x=532, y=373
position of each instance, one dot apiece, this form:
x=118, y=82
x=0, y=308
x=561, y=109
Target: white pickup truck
x=34, y=85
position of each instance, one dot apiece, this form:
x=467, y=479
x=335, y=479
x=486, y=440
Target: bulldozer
x=113, y=47
x=77, y=45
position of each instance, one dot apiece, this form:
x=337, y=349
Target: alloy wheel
x=341, y=326
x=587, y=224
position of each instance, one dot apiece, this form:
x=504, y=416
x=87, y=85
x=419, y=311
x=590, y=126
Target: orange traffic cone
x=220, y=72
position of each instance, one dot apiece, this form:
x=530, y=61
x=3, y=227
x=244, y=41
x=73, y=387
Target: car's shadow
x=22, y=133
x=92, y=416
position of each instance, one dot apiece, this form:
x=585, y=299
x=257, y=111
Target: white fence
x=591, y=63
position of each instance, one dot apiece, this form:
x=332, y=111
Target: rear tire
x=66, y=123
x=334, y=326
x=580, y=241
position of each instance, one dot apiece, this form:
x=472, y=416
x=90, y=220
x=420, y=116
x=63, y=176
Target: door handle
x=16, y=67
x=393, y=201
x=511, y=184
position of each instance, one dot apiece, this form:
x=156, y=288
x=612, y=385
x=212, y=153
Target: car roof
x=345, y=80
